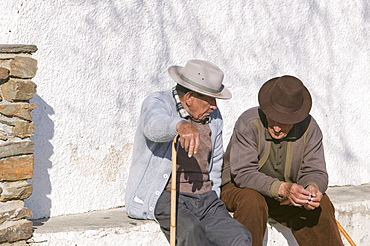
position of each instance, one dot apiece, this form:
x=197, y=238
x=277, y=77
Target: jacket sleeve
x=313, y=167
x=217, y=159
x=244, y=156
x=158, y=119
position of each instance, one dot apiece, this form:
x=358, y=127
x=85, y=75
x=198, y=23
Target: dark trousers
x=309, y=227
x=201, y=220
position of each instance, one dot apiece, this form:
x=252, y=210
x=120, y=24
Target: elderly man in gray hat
x=274, y=166
x=189, y=110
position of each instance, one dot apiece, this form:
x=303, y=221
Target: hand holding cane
x=173, y=195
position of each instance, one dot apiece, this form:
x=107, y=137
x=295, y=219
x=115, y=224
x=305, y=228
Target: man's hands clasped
x=298, y=196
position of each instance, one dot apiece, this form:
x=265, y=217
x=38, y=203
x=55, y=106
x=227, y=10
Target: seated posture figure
x=274, y=166
x=189, y=110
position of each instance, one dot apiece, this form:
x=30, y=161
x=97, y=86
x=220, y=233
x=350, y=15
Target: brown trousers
x=310, y=227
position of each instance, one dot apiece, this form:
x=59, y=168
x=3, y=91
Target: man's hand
x=314, y=199
x=189, y=137
x=308, y=198
x=295, y=193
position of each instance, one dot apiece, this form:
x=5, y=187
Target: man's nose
x=277, y=128
x=213, y=104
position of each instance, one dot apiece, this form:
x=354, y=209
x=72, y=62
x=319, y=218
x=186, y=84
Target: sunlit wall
x=97, y=60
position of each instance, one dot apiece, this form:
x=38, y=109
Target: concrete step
x=112, y=227
x=97, y=228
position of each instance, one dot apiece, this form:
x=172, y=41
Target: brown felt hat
x=285, y=99
x=201, y=76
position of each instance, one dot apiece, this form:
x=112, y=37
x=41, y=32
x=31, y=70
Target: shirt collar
x=183, y=113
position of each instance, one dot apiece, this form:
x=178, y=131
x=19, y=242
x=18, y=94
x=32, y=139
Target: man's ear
x=189, y=96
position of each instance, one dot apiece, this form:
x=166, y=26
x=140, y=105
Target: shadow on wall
x=39, y=202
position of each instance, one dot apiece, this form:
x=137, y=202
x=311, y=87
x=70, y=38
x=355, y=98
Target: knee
x=252, y=200
x=327, y=204
x=192, y=228
x=191, y=234
x=327, y=209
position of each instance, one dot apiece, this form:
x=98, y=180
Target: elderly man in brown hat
x=274, y=166
x=189, y=110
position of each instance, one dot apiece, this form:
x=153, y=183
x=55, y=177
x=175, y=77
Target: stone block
x=16, y=148
x=17, y=190
x=18, y=243
x=14, y=127
x=3, y=217
x=12, y=231
x=7, y=57
x=18, y=90
x=6, y=122
x=11, y=205
x=21, y=213
x=15, y=215
x=23, y=129
x=17, y=48
x=16, y=168
x=4, y=74
x=21, y=110
x=23, y=67
x=5, y=63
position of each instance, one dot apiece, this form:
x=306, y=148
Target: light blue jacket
x=152, y=150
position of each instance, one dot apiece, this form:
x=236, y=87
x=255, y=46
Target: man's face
x=200, y=106
x=278, y=130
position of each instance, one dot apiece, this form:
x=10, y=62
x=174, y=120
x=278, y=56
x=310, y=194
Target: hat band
x=199, y=85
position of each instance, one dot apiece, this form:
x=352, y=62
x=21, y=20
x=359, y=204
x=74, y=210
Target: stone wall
x=17, y=68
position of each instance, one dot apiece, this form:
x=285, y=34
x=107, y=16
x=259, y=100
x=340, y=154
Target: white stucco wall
x=98, y=59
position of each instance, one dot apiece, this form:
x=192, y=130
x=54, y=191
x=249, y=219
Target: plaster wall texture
x=97, y=60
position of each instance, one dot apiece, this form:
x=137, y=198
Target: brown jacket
x=248, y=151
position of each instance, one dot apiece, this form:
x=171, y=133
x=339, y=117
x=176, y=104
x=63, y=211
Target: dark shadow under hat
x=285, y=99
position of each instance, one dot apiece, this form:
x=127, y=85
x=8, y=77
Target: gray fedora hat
x=285, y=99
x=202, y=77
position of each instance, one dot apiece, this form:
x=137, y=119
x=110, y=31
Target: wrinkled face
x=200, y=106
x=278, y=130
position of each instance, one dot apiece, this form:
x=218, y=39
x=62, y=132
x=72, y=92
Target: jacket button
x=165, y=176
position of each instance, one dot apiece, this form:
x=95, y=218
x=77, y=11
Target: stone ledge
x=113, y=227
x=97, y=228
x=17, y=48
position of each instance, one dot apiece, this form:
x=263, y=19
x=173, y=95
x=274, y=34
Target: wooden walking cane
x=345, y=234
x=173, y=194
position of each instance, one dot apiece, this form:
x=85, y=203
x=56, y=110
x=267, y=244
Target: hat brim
x=175, y=71
x=264, y=97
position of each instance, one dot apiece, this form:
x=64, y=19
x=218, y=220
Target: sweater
x=152, y=153
x=248, y=151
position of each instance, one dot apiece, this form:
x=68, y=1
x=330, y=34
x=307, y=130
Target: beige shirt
x=275, y=164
